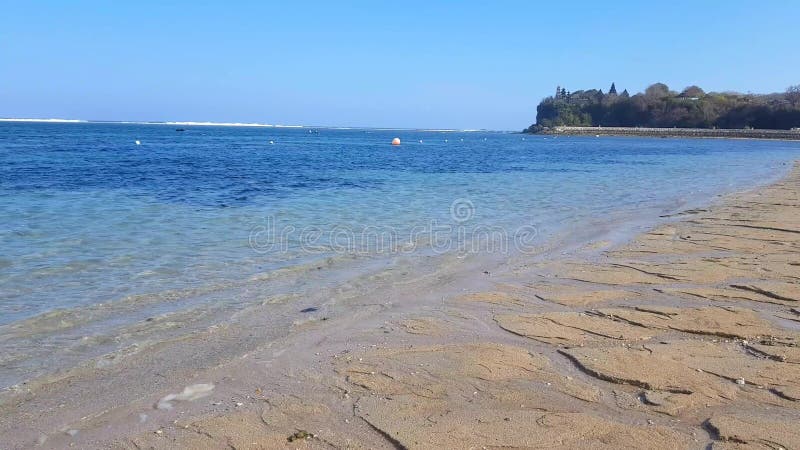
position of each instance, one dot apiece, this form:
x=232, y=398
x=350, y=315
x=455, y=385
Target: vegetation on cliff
x=658, y=106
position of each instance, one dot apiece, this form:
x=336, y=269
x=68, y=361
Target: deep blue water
x=88, y=216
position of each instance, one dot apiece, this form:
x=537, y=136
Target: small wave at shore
x=57, y=340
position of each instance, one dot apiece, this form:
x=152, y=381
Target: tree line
x=658, y=106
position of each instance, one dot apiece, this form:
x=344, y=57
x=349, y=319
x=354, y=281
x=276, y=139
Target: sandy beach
x=322, y=225
x=685, y=337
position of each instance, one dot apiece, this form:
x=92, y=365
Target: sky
x=408, y=64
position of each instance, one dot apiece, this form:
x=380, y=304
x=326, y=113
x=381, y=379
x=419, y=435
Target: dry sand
x=686, y=337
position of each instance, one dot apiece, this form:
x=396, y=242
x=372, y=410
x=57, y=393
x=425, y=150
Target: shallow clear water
x=87, y=216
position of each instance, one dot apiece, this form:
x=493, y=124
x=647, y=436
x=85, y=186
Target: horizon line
x=241, y=124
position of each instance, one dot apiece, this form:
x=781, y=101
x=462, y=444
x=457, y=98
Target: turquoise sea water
x=88, y=216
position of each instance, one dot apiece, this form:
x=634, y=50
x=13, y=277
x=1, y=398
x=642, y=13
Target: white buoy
x=396, y=141
x=138, y=143
x=445, y=140
x=420, y=141
x=271, y=142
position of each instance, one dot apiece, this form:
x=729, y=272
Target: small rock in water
x=654, y=398
x=302, y=434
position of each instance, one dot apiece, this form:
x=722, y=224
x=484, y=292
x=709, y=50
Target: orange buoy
x=396, y=141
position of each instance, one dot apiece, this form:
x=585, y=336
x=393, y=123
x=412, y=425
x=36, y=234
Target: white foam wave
x=42, y=120
x=218, y=124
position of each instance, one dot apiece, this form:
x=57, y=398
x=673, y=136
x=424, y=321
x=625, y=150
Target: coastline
x=789, y=135
x=617, y=345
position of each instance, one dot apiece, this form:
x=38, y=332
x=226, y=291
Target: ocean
x=106, y=225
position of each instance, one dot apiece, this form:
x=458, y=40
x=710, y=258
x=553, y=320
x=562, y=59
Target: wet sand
x=685, y=337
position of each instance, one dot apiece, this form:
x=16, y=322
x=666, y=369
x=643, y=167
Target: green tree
x=657, y=91
x=693, y=91
x=793, y=95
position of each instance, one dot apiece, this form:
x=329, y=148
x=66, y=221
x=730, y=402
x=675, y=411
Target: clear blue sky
x=480, y=64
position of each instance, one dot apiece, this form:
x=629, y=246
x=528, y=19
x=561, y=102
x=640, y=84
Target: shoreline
x=788, y=135
x=499, y=354
x=56, y=327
